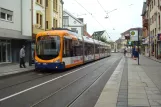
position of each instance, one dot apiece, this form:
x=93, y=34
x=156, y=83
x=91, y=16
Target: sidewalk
x=9, y=69
x=134, y=85
x=155, y=59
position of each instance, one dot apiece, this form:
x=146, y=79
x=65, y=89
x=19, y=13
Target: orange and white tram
x=61, y=49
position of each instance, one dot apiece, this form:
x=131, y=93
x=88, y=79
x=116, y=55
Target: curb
x=14, y=73
x=152, y=59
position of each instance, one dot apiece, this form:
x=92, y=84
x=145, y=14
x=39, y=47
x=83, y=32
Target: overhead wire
x=105, y=12
x=92, y=17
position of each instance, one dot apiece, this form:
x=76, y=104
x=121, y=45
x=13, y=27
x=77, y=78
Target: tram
x=61, y=48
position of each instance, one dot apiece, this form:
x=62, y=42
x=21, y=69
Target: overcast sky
x=126, y=16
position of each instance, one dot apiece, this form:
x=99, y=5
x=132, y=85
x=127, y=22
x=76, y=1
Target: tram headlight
x=57, y=61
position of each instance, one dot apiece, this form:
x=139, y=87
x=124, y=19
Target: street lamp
x=108, y=13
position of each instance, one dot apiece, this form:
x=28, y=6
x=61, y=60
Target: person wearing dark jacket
x=22, y=57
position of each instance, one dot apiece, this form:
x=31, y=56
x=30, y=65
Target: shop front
x=159, y=46
x=5, y=51
x=146, y=46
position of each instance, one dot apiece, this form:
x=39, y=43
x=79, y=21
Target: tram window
x=68, y=51
x=89, y=49
x=77, y=48
x=96, y=49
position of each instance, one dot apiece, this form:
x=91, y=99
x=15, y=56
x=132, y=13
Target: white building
x=11, y=36
x=72, y=23
x=21, y=20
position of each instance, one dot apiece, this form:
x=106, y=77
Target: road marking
x=18, y=93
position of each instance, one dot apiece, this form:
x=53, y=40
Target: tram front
x=48, y=53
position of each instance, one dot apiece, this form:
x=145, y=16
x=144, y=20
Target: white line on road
x=18, y=93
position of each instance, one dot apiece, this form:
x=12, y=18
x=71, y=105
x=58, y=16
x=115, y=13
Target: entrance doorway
x=5, y=51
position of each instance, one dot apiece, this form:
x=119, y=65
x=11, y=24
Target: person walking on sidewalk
x=133, y=52
x=125, y=51
x=22, y=57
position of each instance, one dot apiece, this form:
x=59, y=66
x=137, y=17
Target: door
x=0, y=51
x=3, y=52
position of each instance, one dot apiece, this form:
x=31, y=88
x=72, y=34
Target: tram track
x=38, y=103
x=33, y=75
x=36, y=76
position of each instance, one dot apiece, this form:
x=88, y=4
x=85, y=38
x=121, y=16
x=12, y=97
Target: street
x=77, y=87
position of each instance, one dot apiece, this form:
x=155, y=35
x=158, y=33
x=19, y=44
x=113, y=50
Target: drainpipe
x=45, y=14
x=30, y=42
x=21, y=17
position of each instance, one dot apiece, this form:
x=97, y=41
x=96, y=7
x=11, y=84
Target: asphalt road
x=77, y=87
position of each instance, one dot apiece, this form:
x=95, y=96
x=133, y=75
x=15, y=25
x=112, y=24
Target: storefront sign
x=146, y=40
x=134, y=35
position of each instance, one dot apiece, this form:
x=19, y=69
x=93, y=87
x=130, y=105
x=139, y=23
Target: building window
x=39, y=1
x=39, y=19
x=47, y=26
x=55, y=23
x=46, y=3
x=65, y=21
x=55, y=5
x=159, y=21
x=158, y=3
x=6, y=14
x=3, y=15
x=155, y=31
x=154, y=2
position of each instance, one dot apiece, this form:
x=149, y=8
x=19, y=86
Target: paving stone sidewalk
x=129, y=86
x=14, y=69
x=110, y=93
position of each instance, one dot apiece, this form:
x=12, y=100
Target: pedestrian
x=125, y=52
x=133, y=52
x=22, y=57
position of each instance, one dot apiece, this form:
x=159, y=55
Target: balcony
x=145, y=23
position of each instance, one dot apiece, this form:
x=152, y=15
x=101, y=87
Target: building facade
x=11, y=35
x=73, y=23
x=154, y=30
x=146, y=48
x=21, y=20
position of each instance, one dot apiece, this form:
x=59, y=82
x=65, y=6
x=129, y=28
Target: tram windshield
x=48, y=47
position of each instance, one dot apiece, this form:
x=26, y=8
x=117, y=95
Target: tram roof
x=87, y=39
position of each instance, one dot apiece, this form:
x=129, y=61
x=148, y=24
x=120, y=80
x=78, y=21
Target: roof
x=87, y=34
x=144, y=9
x=73, y=16
x=98, y=33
